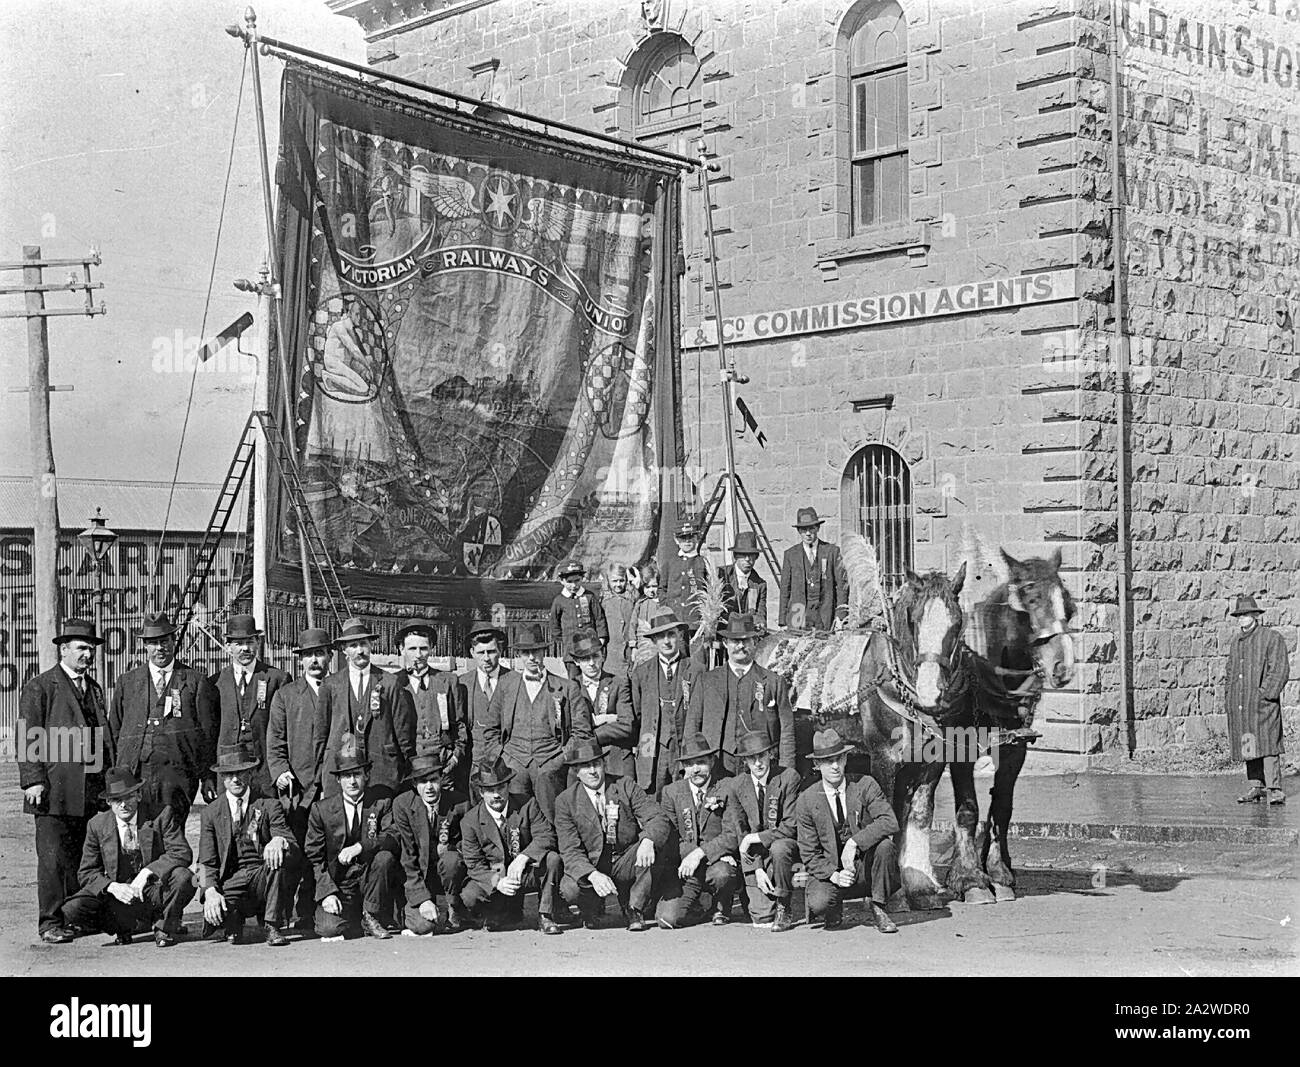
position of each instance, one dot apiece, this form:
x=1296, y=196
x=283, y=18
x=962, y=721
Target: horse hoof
x=1004, y=893
x=978, y=895
x=925, y=901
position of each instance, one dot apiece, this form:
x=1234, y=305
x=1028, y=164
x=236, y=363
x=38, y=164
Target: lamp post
x=99, y=539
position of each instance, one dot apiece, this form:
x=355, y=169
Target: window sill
x=910, y=237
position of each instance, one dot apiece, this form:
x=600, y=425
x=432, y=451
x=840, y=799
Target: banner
x=481, y=341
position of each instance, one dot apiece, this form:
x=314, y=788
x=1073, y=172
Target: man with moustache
x=611, y=707
x=509, y=849
x=295, y=750
x=659, y=691
x=487, y=644
x=427, y=822
x=62, y=792
x=440, y=722
x=164, y=722
x=814, y=583
x=376, y=707
x=745, y=591
x=245, y=688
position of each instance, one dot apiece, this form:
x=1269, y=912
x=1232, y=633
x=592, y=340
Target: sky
x=116, y=121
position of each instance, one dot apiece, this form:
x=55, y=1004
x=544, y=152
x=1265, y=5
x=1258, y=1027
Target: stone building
x=915, y=249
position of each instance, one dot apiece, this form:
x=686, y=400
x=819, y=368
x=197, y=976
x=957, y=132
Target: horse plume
x=711, y=600
x=866, y=596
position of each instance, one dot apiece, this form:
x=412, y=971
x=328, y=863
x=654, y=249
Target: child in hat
x=574, y=609
x=617, y=603
x=640, y=647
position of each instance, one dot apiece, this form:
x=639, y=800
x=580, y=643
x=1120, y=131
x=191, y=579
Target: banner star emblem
x=499, y=200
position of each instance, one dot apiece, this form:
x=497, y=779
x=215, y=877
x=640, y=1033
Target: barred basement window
x=876, y=501
x=878, y=117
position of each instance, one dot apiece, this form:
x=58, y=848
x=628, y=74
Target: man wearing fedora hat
x=1257, y=673
x=295, y=751
x=245, y=688
x=509, y=849
x=659, y=691
x=612, y=838
x=741, y=697
x=427, y=823
x=246, y=852
x=761, y=826
x=814, y=583
x=134, y=872
x=440, y=721
x=487, y=644
x=684, y=574
x=700, y=856
x=354, y=850
x=611, y=704
x=745, y=591
x=164, y=721
x=531, y=717
x=845, y=828
x=62, y=789
x=575, y=610
x=375, y=706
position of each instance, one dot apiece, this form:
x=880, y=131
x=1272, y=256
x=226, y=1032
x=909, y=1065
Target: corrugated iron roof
x=127, y=504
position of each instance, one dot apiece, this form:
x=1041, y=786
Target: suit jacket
x=189, y=739
x=833, y=601
x=578, y=831
x=327, y=829
x=525, y=831
x=217, y=858
x=254, y=710
x=868, y=819
x=162, y=848
x=704, y=829
x=439, y=704
x=748, y=596
x=475, y=703
x=384, y=720
x=657, y=740
x=498, y=722
x=741, y=816
x=771, y=714
x=50, y=702
x=420, y=841
x=295, y=741
x=567, y=618
x=619, y=738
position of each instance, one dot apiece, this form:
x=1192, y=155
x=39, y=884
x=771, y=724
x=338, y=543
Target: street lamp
x=99, y=539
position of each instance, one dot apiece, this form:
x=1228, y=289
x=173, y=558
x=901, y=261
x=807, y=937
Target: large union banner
x=480, y=340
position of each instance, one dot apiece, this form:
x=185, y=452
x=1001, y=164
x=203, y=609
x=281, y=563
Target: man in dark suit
x=611, y=704
x=575, y=610
x=63, y=746
x=509, y=849
x=612, y=839
x=487, y=644
x=373, y=705
x=846, y=830
x=530, y=718
x=246, y=853
x=295, y=750
x=354, y=850
x=814, y=583
x=245, y=688
x=700, y=849
x=133, y=871
x=760, y=824
x=744, y=591
x=164, y=723
x=440, y=721
x=426, y=820
x=659, y=691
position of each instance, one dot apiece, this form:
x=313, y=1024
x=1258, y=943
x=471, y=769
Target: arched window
x=876, y=39
x=876, y=501
x=667, y=95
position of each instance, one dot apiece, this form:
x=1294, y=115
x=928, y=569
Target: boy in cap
x=704, y=855
x=659, y=691
x=134, y=871
x=846, y=830
x=575, y=609
x=683, y=575
x=246, y=852
x=814, y=583
x=351, y=845
x=611, y=706
x=427, y=823
x=245, y=688
x=440, y=722
x=509, y=848
x=612, y=839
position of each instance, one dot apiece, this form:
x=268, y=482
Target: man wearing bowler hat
x=575, y=610
x=530, y=718
x=246, y=853
x=509, y=848
x=814, y=583
x=295, y=751
x=846, y=830
x=164, y=721
x=1257, y=672
x=353, y=847
x=612, y=839
x=760, y=825
x=426, y=821
x=745, y=591
x=245, y=688
x=659, y=691
x=703, y=857
x=134, y=871
x=375, y=706
x=611, y=705
x=62, y=784
x=683, y=575
x=440, y=722
x=487, y=644
x=741, y=697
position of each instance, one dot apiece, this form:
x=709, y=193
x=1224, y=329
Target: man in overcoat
x=814, y=583
x=659, y=691
x=245, y=688
x=1257, y=672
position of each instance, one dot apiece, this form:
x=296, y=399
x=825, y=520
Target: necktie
x=839, y=812
x=762, y=808
x=670, y=671
x=129, y=840
x=352, y=820
x=80, y=683
x=358, y=686
x=243, y=684
x=239, y=815
x=599, y=801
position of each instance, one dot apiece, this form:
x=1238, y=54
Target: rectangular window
x=879, y=123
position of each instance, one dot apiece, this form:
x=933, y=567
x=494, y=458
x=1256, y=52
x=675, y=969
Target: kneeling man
x=427, y=822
